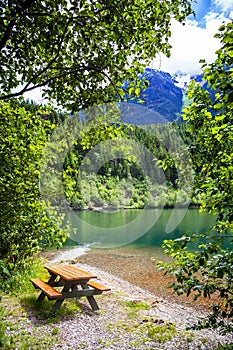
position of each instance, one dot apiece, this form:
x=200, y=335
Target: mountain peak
x=162, y=96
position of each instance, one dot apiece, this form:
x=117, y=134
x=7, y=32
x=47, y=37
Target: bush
x=25, y=225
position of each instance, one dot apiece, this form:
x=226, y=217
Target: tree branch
x=9, y=28
x=66, y=71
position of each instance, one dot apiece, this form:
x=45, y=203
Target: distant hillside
x=162, y=98
x=139, y=114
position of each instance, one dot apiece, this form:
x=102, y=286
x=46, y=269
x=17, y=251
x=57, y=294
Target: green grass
x=25, y=341
x=160, y=333
x=16, y=306
x=19, y=282
x=43, y=310
x=133, y=307
x=15, y=330
x=146, y=330
x=2, y=328
x=137, y=305
x=224, y=347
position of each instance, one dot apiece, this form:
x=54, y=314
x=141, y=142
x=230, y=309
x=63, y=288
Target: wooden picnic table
x=68, y=281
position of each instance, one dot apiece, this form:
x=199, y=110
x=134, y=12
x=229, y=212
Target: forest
x=130, y=179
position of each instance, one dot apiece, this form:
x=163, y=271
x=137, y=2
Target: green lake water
x=138, y=228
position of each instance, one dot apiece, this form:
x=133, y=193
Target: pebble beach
x=132, y=277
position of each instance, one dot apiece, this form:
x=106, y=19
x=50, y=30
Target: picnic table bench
x=73, y=282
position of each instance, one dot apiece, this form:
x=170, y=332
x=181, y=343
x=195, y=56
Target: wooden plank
x=69, y=272
x=62, y=271
x=98, y=286
x=81, y=272
x=46, y=288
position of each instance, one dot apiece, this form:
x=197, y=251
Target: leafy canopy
x=208, y=271
x=81, y=52
x=212, y=118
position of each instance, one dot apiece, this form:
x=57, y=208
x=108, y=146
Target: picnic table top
x=70, y=273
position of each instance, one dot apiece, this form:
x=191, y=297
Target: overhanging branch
x=19, y=9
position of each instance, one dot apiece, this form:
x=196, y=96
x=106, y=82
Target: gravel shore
x=159, y=321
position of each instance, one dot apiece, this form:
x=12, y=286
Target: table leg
x=58, y=303
x=93, y=303
x=74, y=288
x=50, y=282
x=91, y=299
x=41, y=297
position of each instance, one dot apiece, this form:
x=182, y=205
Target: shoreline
x=132, y=264
x=109, y=208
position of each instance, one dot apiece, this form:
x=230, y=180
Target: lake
x=135, y=227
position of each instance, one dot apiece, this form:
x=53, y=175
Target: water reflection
x=136, y=227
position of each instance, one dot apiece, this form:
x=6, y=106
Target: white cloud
x=190, y=43
x=224, y=5
x=35, y=95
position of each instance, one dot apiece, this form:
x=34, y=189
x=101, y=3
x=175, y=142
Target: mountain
x=163, y=99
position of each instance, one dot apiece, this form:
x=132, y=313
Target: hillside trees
x=208, y=271
x=133, y=160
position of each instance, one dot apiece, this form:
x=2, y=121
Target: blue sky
x=201, y=8
x=195, y=40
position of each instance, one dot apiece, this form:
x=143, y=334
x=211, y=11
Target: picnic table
x=68, y=281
